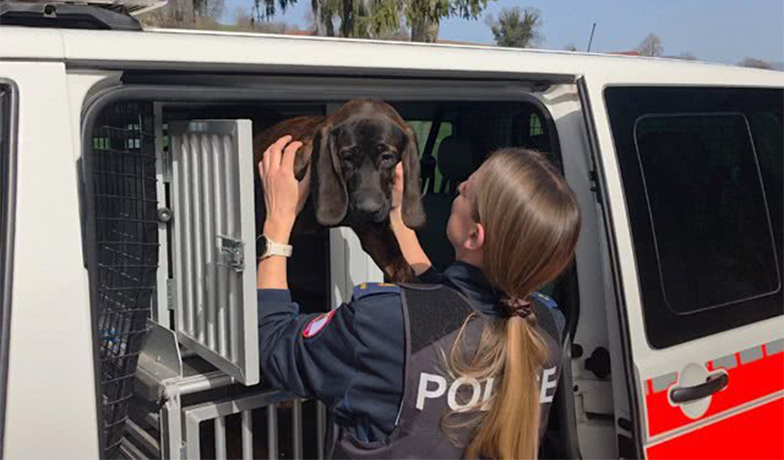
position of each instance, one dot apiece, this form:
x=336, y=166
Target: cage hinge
x=231, y=253
x=171, y=293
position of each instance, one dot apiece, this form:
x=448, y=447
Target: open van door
x=690, y=181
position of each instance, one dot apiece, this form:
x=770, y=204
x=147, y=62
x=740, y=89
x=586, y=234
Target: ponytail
x=510, y=429
x=531, y=222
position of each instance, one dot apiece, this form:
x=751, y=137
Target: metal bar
x=211, y=410
x=208, y=229
x=220, y=438
x=201, y=382
x=198, y=237
x=232, y=231
x=296, y=427
x=126, y=198
x=171, y=429
x=192, y=439
x=272, y=432
x=321, y=429
x=162, y=169
x=219, y=198
x=182, y=236
x=247, y=435
x=141, y=436
x=128, y=450
x=127, y=175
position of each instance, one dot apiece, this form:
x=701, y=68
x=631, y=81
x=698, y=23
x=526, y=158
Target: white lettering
x=547, y=383
x=424, y=393
x=488, y=393
x=452, y=396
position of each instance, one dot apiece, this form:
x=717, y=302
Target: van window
x=711, y=229
x=7, y=197
x=702, y=173
x=422, y=131
x=535, y=127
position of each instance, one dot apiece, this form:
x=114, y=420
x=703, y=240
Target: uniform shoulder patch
x=368, y=289
x=317, y=324
x=547, y=301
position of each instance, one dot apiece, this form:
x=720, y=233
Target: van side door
x=693, y=181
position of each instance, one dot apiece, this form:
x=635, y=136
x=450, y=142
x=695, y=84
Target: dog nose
x=368, y=203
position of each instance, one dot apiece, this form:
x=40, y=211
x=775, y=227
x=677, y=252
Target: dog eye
x=388, y=157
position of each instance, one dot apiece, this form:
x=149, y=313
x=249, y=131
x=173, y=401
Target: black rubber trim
x=9, y=110
x=713, y=384
x=620, y=300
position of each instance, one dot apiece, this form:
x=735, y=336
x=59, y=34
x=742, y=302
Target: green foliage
x=378, y=18
x=517, y=28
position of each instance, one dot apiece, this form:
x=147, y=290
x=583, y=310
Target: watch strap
x=272, y=248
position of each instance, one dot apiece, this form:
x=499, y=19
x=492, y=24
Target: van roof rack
x=66, y=14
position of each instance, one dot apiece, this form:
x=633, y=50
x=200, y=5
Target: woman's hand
x=283, y=194
x=396, y=214
x=406, y=238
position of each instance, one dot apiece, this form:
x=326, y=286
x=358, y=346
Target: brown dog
x=353, y=154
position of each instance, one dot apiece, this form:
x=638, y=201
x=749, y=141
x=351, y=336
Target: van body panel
x=200, y=50
x=29, y=44
x=659, y=423
x=51, y=383
x=51, y=369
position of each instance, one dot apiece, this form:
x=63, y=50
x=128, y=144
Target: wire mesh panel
x=126, y=233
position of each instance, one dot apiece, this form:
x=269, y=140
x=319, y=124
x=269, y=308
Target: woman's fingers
x=289, y=154
x=272, y=156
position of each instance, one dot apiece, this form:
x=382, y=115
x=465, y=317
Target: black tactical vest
x=433, y=316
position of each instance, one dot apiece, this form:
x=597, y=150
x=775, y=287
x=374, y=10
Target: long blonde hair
x=531, y=222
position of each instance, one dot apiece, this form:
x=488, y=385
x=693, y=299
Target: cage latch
x=231, y=253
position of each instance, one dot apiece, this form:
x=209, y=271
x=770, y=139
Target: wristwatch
x=267, y=248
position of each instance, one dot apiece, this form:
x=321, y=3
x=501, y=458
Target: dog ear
x=330, y=196
x=413, y=213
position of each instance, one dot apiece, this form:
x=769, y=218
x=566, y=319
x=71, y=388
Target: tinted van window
x=708, y=212
x=702, y=174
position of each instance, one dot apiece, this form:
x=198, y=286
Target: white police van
x=128, y=322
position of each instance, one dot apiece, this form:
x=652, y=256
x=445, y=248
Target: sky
x=712, y=30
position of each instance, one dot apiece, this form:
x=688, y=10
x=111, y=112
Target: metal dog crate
x=174, y=292
x=185, y=409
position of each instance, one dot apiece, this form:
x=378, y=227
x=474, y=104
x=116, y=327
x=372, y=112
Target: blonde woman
x=463, y=367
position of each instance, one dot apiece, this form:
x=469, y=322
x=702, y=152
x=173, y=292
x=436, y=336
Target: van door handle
x=713, y=383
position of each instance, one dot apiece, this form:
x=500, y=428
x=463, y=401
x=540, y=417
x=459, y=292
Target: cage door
x=213, y=244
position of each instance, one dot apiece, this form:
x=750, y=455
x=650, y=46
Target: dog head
x=354, y=158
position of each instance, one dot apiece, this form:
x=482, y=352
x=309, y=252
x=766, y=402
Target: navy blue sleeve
x=376, y=393
x=321, y=365
x=351, y=358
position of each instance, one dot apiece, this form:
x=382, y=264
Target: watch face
x=261, y=246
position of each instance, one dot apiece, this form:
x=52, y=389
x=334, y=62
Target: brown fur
x=330, y=203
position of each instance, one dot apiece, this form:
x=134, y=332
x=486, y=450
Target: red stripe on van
x=747, y=383
x=756, y=433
